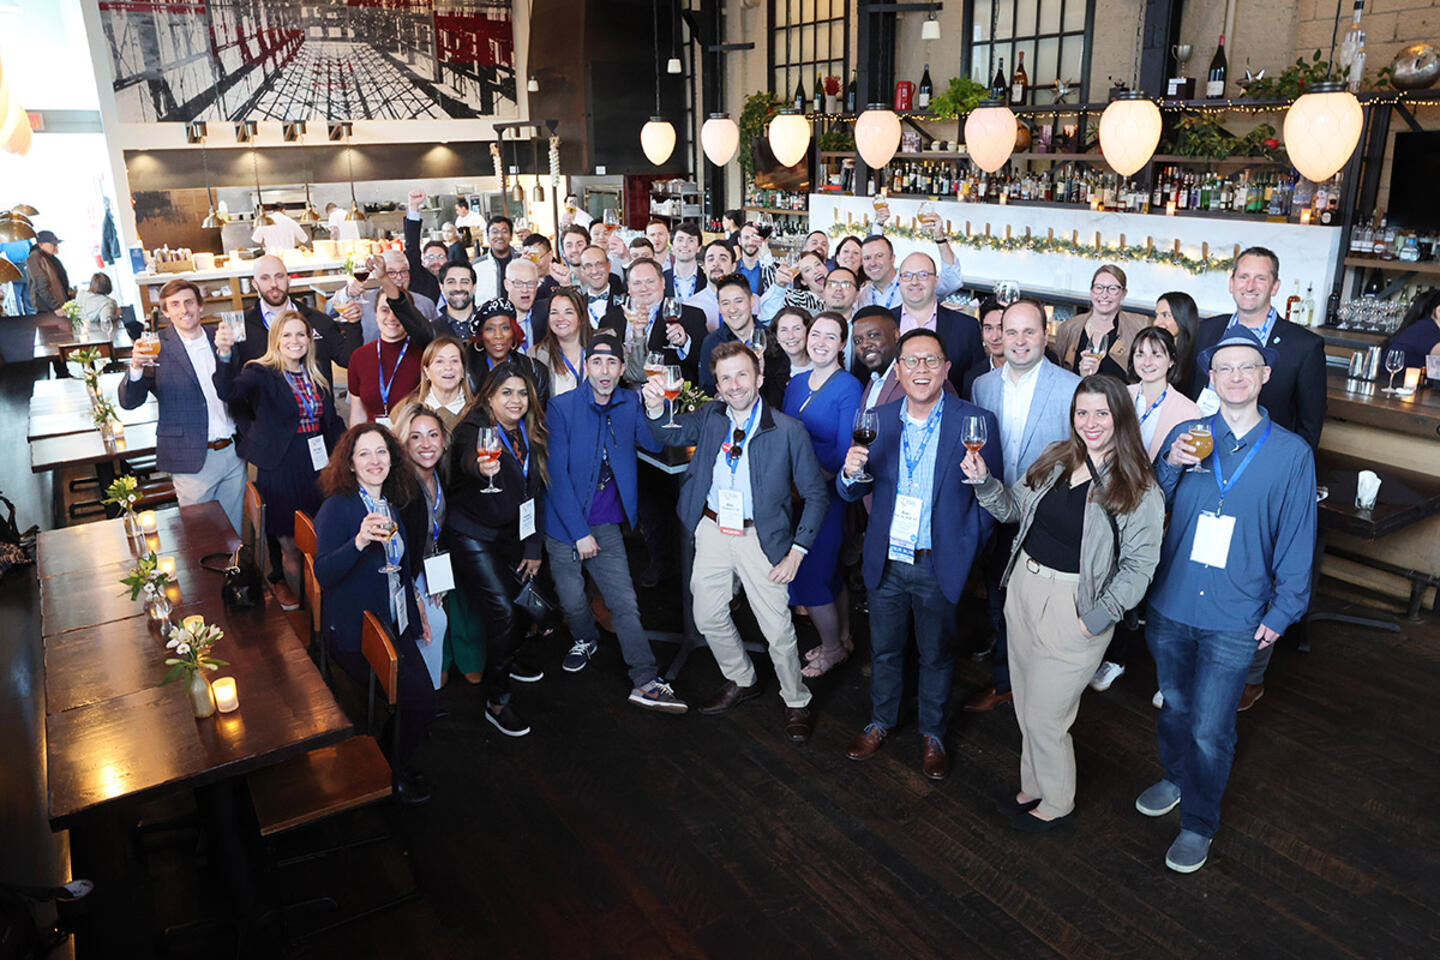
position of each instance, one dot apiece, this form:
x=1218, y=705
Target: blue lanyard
x=1163, y=394
x=734, y=462
x=690, y=281
x=890, y=292
x=308, y=402
x=394, y=372
x=1266, y=328
x=392, y=546
x=912, y=462
x=579, y=377
x=524, y=465
x=437, y=509
x=1219, y=471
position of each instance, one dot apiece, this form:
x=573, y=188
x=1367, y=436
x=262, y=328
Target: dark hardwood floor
x=613, y=832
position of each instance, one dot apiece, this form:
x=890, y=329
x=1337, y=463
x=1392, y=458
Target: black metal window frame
x=1030, y=43
x=785, y=44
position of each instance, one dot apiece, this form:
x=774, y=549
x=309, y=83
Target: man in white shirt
x=683, y=278
x=490, y=269
x=658, y=233
x=282, y=234
x=340, y=228
x=466, y=217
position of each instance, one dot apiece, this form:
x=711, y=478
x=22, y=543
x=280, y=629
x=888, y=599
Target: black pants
x=656, y=507
x=415, y=698
x=485, y=571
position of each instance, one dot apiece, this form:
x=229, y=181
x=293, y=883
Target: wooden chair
x=252, y=528
x=348, y=776
x=305, y=542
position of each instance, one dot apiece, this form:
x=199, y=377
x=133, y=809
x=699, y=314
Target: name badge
x=731, y=515
x=527, y=518
x=1211, y=546
x=1208, y=402
x=383, y=421
x=319, y=456
x=439, y=574
x=904, y=528
x=399, y=605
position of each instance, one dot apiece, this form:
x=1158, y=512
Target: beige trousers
x=719, y=558
x=1051, y=663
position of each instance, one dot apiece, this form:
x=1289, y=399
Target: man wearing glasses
x=425, y=259
x=355, y=297
x=920, y=310
x=522, y=283
x=925, y=531
x=602, y=288
x=678, y=339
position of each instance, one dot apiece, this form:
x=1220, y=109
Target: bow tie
x=599, y=297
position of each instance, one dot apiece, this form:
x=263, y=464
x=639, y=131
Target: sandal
x=824, y=663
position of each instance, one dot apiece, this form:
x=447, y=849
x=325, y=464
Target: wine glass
x=1007, y=292
x=974, y=433
x=1394, y=363
x=654, y=364
x=487, y=450
x=867, y=425
x=391, y=528
x=672, y=384
x=757, y=341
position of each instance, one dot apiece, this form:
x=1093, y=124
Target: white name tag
x=399, y=604
x=439, y=574
x=1211, y=546
x=319, y=456
x=731, y=515
x=904, y=528
x=1208, y=402
x=383, y=421
x=527, y=518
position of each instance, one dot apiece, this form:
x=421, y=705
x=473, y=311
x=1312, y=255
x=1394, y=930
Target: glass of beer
x=390, y=529
x=1202, y=443
x=929, y=219
x=148, y=347
x=654, y=364
x=864, y=431
x=672, y=384
x=487, y=450
x=882, y=204
x=974, y=433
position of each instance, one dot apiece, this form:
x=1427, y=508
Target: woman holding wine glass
x=494, y=519
x=1090, y=518
x=825, y=401
x=1098, y=341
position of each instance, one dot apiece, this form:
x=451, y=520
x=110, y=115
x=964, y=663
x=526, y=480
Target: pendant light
x=198, y=133
x=537, y=192
x=9, y=273
x=789, y=136
x=930, y=30
x=990, y=133
x=25, y=210
x=1322, y=129
x=877, y=135
x=262, y=218
x=657, y=137
x=354, y=213
x=1129, y=131
x=720, y=137
x=11, y=229
x=532, y=85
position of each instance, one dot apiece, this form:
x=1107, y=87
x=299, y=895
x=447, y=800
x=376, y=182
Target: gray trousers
x=221, y=478
x=611, y=572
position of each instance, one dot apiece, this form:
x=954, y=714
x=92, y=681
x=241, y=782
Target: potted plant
x=124, y=492
x=760, y=107
x=832, y=94
x=962, y=96
x=189, y=649
x=148, y=579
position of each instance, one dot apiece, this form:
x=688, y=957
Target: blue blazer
x=276, y=414
x=959, y=526
x=1049, y=416
x=351, y=579
x=183, y=426
x=577, y=430
x=960, y=333
x=781, y=457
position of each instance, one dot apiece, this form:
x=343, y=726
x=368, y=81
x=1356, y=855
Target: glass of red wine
x=867, y=425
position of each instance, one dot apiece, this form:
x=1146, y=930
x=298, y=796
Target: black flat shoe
x=1028, y=824
x=1010, y=807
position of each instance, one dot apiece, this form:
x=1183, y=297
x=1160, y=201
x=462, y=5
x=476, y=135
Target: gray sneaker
x=1188, y=853
x=657, y=695
x=579, y=655
x=1159, y=799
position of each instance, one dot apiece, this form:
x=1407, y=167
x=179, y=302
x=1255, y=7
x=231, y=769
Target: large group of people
x=1151, y=472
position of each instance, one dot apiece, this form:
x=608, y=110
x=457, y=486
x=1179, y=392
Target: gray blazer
x=780, y=456
x=182, y=427
x=1047, y=421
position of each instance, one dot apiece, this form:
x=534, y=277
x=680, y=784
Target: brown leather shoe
x=934, y=761
x=1248, y=696
x=866, y=742
x=798, y=724
x=729, y=695
x=284, y=595
x=987, y=699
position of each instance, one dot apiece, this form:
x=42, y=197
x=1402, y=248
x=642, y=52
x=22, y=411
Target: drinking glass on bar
x=487, y=450
x=1394, y=363
x=1203, y=443
x=974, y=433
x=672, y=384
x=867, y=425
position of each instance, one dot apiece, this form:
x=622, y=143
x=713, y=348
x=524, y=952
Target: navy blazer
x=700, y=281
x=577, y=429
x=959, y=526
x=781, y=458
x=334, y=340
x=960, y=335
x=276, y=415
x=1295, y=394
x=182, y=427
x=350, y=579
x=691, y=318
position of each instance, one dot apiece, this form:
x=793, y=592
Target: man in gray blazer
x=1030, y=397
x=736, y=497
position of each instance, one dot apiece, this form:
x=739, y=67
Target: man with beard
x=718, y=261
x=354, y=296
x=758, y=275
x=457, y=283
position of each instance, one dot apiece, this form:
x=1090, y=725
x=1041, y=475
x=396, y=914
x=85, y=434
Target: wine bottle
x=799, y=101
x=997, y=86
x=922, y=96
x=818, y=97
x=1215, y=81
x=1020, y=83
x=850, y=94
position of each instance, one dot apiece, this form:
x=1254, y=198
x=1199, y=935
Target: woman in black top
x=495, y=539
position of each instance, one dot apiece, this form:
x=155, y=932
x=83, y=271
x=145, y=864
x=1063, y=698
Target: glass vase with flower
x=189, y=656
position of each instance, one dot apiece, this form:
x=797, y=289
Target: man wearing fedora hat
x=49, y=284
x=1234, y=573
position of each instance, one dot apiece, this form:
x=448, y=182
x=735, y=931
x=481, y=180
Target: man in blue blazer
x=925, y=531
x=194, y=434
x=1030, y=397
x=594, y=432
x=919, y=309
x=737, y=498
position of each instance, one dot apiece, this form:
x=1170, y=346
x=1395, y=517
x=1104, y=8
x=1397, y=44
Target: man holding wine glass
x=924, y=533
x=738, y=322
x=674, y=331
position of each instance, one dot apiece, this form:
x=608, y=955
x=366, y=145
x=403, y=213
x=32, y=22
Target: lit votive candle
x=148, y=521
x=227, y=699
x=194, y=623
x=1094, y=203
x=1169, y=208
x=1305, y=215
x=167, y=565
x=1412, y=380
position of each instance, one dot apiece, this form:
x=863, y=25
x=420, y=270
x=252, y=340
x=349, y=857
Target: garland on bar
x=1037, y=244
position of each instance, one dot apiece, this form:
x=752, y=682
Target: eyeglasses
x=931, y=361
x=841, y=284
x=524, y=284
x=433, y=258
x=393, y=274
x=1111, y=288
x=917, y=275
x=1226, y=369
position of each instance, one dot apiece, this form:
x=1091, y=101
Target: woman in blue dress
x=825, y=400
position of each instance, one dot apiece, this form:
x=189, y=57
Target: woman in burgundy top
x=383, y=372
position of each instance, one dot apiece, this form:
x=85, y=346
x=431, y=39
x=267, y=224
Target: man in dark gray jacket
x=736, y=498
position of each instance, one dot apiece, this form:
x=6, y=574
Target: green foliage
x=760, y=107
x=691, y=398
x=123, y=492
x=1200, y=135
x=838, y=138
x=1290, y=82
x=146, y=577
x=1253, y=143
x=190, y=650
x=962, y=96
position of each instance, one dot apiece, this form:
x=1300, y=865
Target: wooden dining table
x=53, y=331
x=91, y=449
x=113, y=733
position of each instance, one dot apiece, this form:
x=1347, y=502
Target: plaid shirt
x=307, y=398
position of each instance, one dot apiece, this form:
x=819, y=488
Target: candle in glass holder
x=148, y=521
x=194, y=623
x=227, y=698
x=1305, y=215
x=1169, y=208
x=167, y=565
x=1412, y=380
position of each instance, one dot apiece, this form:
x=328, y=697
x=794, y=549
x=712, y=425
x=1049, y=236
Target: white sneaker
x=1158, y=700
x=1106, y=675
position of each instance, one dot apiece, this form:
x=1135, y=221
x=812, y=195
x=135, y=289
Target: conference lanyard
x=394, y=371
x=1219, y=471
x=305, y=392
x=1266, y=328
x=890, y=294
x=912, y=462
x=437, y=509
x=505, y=439
x=579, y=377
x=1157, y=403
x=689, y=281
x=734, y=462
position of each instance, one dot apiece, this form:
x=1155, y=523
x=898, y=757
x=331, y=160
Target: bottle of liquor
x=1215, y=81
x=850, y=94
x=997, y=86
x=1307, y=307
x=1020, y=83
x=817, y=98
x=922, y=95
x=1378, y=247
x=1352, y=50
x=1291, y=302
x=799, y=100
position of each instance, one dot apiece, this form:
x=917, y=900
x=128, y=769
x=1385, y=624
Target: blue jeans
x=1202, y=674
x=907, y=590
x=611, y=572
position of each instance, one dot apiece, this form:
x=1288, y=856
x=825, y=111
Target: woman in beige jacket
x=1098, y=341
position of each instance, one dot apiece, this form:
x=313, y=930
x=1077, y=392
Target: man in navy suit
x=925, y=531
x=335, y=339
x=683, y=276
x=601, y=287
x=680, y=342
x=920, y=310
x=195, y=434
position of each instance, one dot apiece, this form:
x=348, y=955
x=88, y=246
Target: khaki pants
x=1051, y=663
x=719, y=558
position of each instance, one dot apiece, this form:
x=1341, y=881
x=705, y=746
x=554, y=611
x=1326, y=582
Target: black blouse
x=1054, y=536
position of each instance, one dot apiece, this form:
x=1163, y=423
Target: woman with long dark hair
x=495, y=538
x=1090, y=518
x=1419, y=333
x=1176, y=312
x=562, y=351
x=848, y=255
